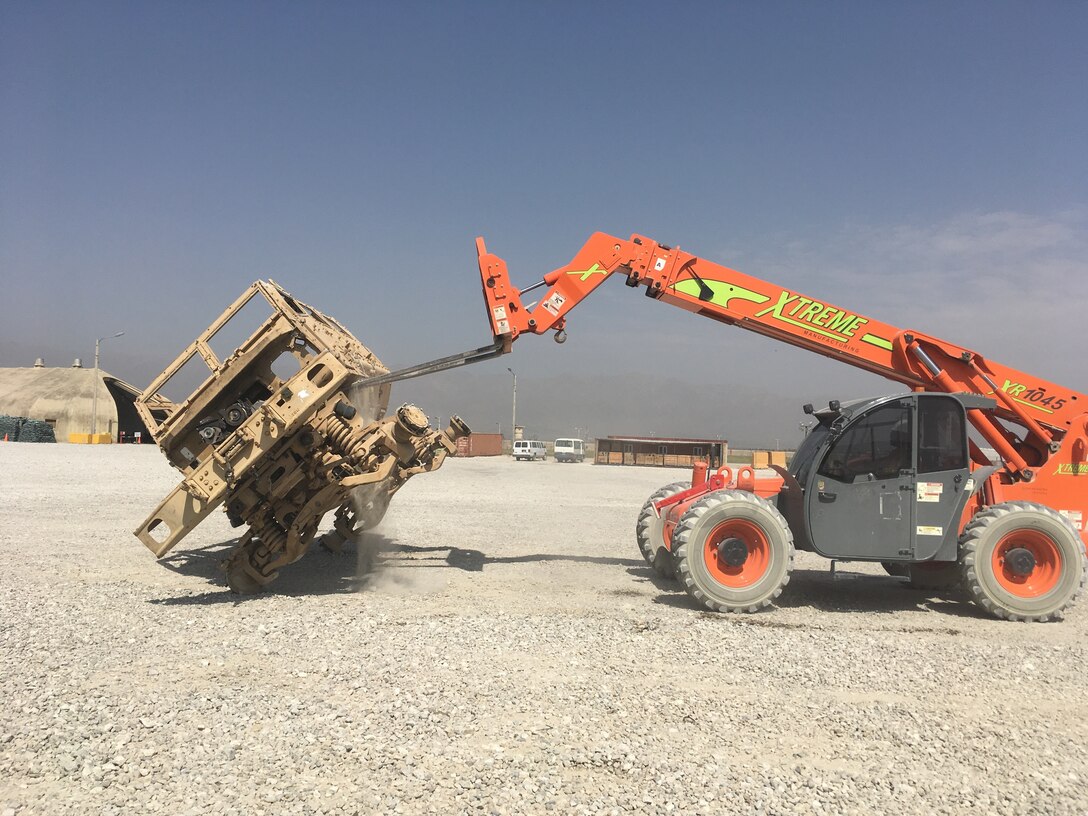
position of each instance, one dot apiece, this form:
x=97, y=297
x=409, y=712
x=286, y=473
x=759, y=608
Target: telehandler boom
x=901, y=480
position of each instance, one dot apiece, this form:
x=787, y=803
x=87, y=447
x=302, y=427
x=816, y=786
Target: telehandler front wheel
x=1022, y=561
x=733, y=551
x=650, y=531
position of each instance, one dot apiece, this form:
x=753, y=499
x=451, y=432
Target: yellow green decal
x=1072, y=470
x=879, y=342
x=814, y=316
x=720, y=291
x=1036, y=398
x=596, y=269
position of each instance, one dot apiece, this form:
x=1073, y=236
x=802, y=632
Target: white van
x=570, y=450
x=529, y=449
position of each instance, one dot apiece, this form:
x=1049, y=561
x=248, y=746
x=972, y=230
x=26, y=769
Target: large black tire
x=725, y=520
x=1057, y=562
x=649, y=531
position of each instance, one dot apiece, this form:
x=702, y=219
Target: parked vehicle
x=529, y=449
x=570, y=450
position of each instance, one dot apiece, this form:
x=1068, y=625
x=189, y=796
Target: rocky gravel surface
x=511, y=655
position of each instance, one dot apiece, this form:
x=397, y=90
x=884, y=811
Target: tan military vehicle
x=288, y=423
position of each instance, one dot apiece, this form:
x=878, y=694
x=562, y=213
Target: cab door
x=859, y=501
x=943, y=484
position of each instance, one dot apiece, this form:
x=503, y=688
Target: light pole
x=94, y=385
x=514, y=411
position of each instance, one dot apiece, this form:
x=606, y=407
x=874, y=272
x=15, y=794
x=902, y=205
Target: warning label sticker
x=554, y=304
x=929, y=491
x=924, y=530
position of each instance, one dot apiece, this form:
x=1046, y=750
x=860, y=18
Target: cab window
x=877, y=443
x=942, y=435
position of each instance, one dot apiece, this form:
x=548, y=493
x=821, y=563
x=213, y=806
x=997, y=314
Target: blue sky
x=923, y=163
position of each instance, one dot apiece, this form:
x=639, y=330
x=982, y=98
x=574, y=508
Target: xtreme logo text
x=811, y=314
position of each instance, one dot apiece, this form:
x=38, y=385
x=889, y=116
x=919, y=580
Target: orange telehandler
x=974, y=475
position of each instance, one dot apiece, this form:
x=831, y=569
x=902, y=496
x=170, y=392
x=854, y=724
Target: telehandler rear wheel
x=1022, y=561
x=650, y=531
x=733, y=551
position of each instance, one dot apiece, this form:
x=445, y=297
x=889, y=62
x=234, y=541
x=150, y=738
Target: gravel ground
x=512, y=655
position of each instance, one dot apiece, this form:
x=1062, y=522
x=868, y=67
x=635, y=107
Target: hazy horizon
x=921, y=164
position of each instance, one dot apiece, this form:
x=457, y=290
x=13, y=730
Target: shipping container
x=480, y=444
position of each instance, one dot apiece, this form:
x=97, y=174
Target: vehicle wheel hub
x=1020, y=561
x=733, y=552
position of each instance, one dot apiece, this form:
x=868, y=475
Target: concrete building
x=648, y=450
x=64, y=398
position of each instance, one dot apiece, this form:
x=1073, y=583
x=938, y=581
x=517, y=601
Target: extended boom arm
x=1046, y=412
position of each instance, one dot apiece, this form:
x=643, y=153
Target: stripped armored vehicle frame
x=282, y=430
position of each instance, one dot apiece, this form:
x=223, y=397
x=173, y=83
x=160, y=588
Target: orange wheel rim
x=1043, y=574
x=757, y=559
